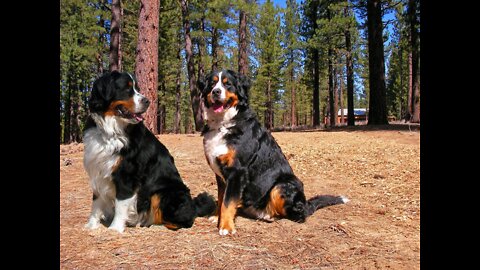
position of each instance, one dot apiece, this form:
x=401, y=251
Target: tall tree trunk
x=178, y=95
x=86, y=86
x=146, y=69
x=408, y=115
x=316, y=68
x=214, y=48
x=331, y=87
x=201, y=49
x=335, y=94
x=188, y=122
x=101, y=40
x=293, y=120
x=401, y=109
x=377, y=114
x=331, y=90
x=316, y=88
x=67, y=114
x=269, y=110
x=192, y=81
x=116, y=36
x=412, y=10
x=98, y=57
x=162, y=114
x=349, y=63
x=342, y=115
x=242, y=41
x=75, y=118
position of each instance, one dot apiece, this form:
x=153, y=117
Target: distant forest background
x=307, y=59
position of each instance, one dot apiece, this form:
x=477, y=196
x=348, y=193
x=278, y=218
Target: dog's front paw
x=227, y=231
x=227, y=227
x=117, y=227
x=92, y=224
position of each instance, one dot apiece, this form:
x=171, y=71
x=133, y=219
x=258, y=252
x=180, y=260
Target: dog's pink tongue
x=139, y=117
x=218, y=107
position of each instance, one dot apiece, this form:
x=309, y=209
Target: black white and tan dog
x=132, y=175
x=253, y=175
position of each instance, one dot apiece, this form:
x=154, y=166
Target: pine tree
x=170, y=65
x=81, y=47
x=377, y=106
x=194, y=92
x=331, y=41
x=309, y=29
x=292, y=56
x=131, y=10
x=349, y=63
x=397, y=88
x=146, y=70
x=269, y=57
x=413, y=8
x=116, y=36
x=218, y=14
x=243, y=36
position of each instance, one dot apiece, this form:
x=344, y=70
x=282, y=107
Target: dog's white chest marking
x=100, y=157
x=215, y=146
x=214, y=142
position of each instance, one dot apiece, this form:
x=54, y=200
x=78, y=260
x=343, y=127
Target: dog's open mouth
x=219, y=106
x=125, y=113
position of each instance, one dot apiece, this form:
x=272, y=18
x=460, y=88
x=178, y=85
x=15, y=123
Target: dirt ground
x=378, y=170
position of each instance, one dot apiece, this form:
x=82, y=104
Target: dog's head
x=222, y=90
x=116, y=94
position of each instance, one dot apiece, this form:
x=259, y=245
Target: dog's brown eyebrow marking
x=215, y=78
x=225, y=80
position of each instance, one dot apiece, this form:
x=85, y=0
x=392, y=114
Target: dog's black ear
x=103, y=91
x=201, y=83
x=244, y=84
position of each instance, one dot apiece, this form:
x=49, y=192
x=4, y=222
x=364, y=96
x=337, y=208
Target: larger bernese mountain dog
x=132, y=175
x=253, y=175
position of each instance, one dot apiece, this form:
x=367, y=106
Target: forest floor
x=377, y=169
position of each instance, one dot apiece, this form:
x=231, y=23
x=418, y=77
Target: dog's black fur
x=253, y=175
x=144, y=166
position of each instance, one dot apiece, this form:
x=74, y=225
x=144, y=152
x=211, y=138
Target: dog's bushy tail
x=321, y=201
x=205, y=204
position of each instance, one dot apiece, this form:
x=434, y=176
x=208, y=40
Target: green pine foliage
x=292, y=57
x=82, y=54
x=398, y=72
x=131, y=9
x=269, y=54
x=169, y=62
x=281, y=42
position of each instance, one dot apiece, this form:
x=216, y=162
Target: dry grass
x=378, y=170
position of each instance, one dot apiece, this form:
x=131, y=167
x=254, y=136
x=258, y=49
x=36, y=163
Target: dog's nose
x=145, y=101
x=217, y=91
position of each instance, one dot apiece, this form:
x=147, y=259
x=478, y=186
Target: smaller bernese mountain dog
x=132, y=175
x=253, y=175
